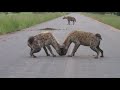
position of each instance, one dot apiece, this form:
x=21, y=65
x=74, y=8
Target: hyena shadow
x=85, y=57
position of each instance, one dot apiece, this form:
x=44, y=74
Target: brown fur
x=69, y=18
x=83, y=38
x=43, y=40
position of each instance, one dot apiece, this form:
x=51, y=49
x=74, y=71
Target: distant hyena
x=69, y=18
x=43, y=40
x=83, y=38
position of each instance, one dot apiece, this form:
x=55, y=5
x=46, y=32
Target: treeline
x=115, y=13
x=9, y=12
x=20, y=12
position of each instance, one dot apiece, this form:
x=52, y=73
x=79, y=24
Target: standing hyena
x=83, y=38
x=69, y=18
x=43, y=40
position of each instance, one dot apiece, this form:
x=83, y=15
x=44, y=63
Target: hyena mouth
x=62, y=52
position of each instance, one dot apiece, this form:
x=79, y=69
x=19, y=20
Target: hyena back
x=43, y=40
x=69, y=18
x=83, y=38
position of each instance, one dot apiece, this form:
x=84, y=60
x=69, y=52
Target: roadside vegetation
x=15, y=21
x=110, y=18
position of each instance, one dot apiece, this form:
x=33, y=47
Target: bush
x=18, y=21
x=118, y=13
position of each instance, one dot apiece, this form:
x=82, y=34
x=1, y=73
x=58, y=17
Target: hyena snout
x=63, y=50
x=63, y=17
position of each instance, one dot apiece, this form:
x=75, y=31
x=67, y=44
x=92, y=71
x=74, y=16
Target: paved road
x=15, y=61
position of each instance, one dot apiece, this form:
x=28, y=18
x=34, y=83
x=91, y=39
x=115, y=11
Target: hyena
x=69, y=18
x=43, y=40
x=85, y=39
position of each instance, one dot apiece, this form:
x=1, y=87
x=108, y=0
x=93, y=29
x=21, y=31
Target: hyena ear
x=98, y=35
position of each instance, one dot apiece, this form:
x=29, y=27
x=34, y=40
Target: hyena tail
x=30, y=40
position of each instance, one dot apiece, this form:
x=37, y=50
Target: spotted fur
x=43, y=40
x=69, y=18
x=83, y=38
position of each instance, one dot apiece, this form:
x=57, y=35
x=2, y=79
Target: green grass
x=17, y=21
x=112, y=20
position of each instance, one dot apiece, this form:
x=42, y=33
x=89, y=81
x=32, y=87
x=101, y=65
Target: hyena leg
x=31, y=52
x=100, y=51
x=68, y=22
x=49, y=48
x=73, y=22
x=75, y=49
x=96, y=50
x=45, y=49
x=34, y=51
x=31, y=49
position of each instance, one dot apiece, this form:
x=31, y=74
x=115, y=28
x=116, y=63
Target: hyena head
x=64, y=17
x=60, y=51
x=63, y=50
x=98, y=35
x=30, y=41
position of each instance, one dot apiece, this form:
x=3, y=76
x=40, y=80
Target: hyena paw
x=96, y=57
x=69, y=55
x=48, y=54
x=54, y=55
x=102, y=56
x=34, y=57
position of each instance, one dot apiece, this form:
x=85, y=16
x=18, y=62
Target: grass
x=17, y=21
x=109, y=19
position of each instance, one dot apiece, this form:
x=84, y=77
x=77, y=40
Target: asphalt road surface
x=15, y=61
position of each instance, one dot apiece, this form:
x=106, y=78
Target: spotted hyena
x=69, y=18
x=83, y=38
x=43, y=40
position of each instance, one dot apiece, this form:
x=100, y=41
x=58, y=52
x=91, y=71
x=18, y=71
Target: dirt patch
x=51, y=29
